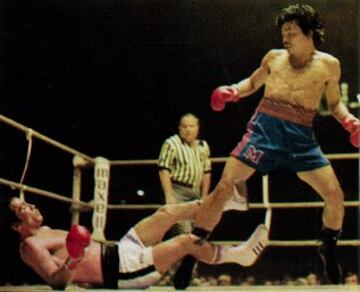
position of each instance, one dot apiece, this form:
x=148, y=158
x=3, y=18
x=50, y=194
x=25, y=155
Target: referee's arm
x=165, y=180
x=165, y=162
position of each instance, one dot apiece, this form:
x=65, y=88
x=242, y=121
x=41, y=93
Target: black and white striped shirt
x=186, y=164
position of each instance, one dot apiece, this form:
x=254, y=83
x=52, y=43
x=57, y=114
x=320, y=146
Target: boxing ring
x=99, y=205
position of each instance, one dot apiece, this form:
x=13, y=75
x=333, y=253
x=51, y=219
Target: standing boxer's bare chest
x=302, y=85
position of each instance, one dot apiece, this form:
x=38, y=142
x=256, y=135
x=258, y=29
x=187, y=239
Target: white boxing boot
x=247, y=253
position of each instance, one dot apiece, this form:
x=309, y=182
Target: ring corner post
x=101, y=189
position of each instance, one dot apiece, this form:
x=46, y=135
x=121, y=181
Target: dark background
x=111, y=78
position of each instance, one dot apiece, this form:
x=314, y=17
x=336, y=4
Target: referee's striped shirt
x=186, y=164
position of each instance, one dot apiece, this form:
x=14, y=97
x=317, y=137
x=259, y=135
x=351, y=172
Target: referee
x=184, y=166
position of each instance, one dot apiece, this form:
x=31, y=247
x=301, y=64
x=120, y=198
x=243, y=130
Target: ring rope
x=41, y=192
x=266, y=201
x=45, y=138
x=28, y=154
x=286, y=243
x=298, y=243
x=277, y=205
x=332, y=156
x=335, y=156
x=76, y=194
x=280, y=205
x=292, y=205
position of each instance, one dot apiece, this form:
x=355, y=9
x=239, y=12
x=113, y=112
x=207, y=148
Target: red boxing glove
x=352, y=125
x=222, y=95
x=354, y=138
x=77, y=240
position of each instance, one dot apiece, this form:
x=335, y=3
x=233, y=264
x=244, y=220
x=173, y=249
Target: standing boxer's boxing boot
x=328, y=254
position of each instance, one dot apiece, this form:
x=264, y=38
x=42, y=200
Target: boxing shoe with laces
x=239, y=200
x=248, y=253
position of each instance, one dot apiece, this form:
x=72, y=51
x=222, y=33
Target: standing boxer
x=138, y=260
x=280, y=132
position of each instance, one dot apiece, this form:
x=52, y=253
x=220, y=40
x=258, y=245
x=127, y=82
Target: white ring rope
x=45, y=138
x=42, y=192
x=28, y=154
x=333, y=156
x=278, y=205
x=298, y=243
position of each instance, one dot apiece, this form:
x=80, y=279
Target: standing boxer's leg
x=210, y=212
x=324, y=181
